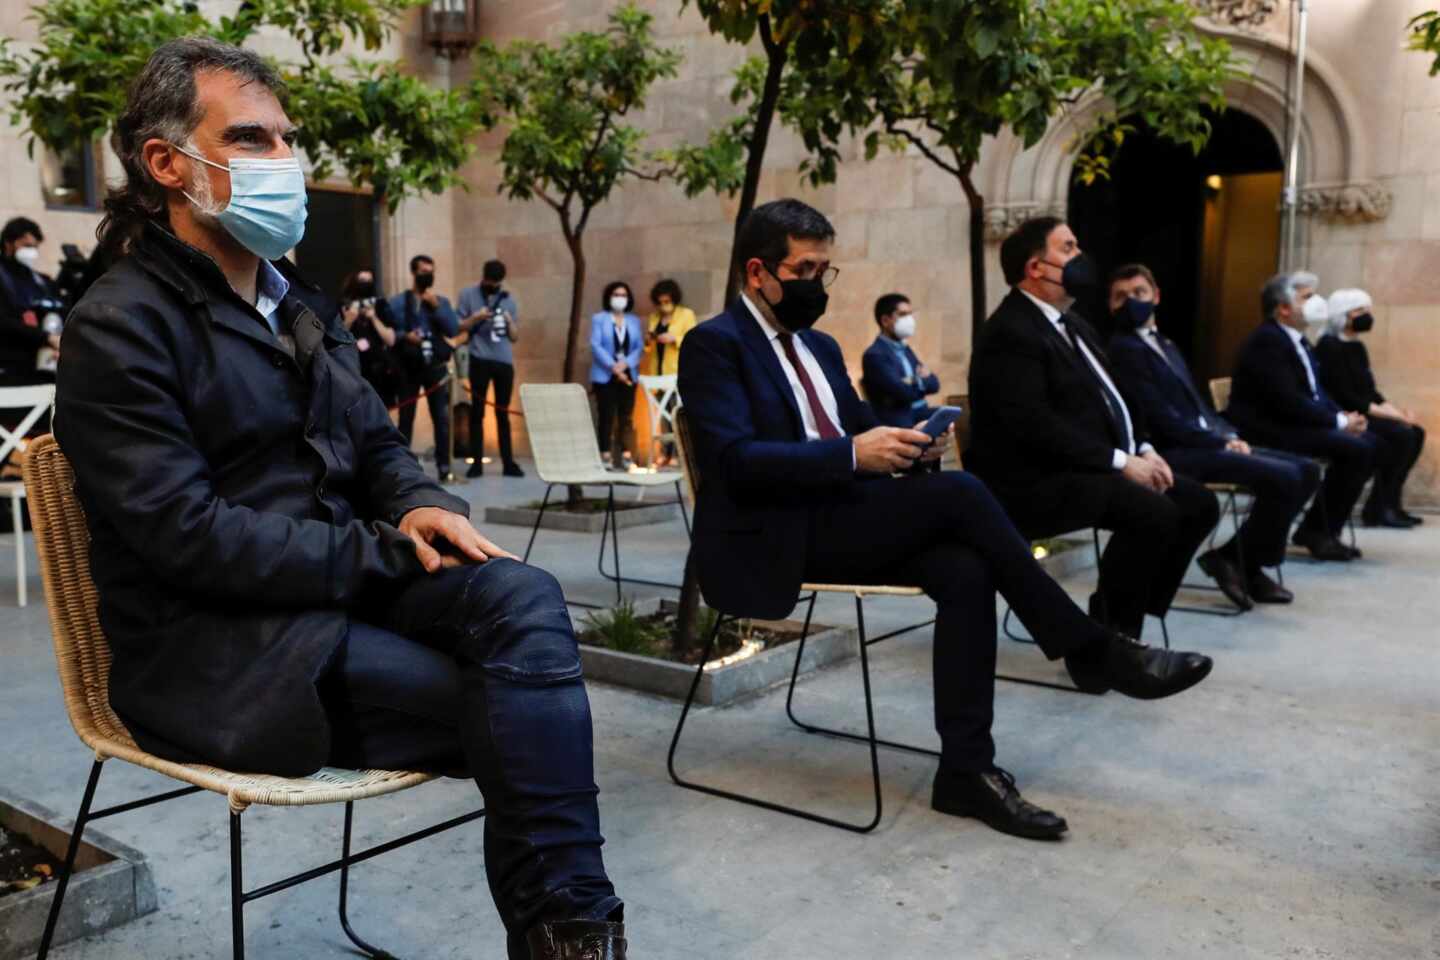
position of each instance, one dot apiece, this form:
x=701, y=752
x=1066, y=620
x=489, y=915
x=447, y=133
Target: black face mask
x=1133, y=314
x=1077, y=276
x=802, y=303
x=489, y=289
x=424, y=281
x=1362, y=323
x=363, y=290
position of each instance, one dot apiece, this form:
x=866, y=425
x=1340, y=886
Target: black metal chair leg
x=71, y=850
x=1233, y=508
x=538, y=517
x=355, y=938
x=1011, y=634
x=611, y=528
x=684, y=513
x=237, y=891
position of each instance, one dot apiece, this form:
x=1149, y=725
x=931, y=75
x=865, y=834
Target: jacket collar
x=753, y=333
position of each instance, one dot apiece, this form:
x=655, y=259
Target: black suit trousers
x=1398, y=448
x=1282, y=483
x=1352, y=461
x=1154, y=535
x=947, y=534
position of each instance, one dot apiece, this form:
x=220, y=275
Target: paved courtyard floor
x=1289, y=807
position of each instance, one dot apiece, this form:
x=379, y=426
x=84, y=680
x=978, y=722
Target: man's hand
x=1142, y=472
x=922, y=371
x=888, y=449
x=1355, y=422
x=431, y=299
x=1166, y=475
x=936, y=450
x=1236, y=445
x=445, y=539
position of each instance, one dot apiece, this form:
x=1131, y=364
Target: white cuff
x=1341, y=421
x=1118, y=459
x=1147, y=448
x=854, y=460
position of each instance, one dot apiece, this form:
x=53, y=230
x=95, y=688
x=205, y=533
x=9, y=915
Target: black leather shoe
x=477, y=469
x=1410, y=518
x=1385, y=517
x=512, y=469
x=992, y=798
x=1322, y=546
x=1136, y=670
x=577, y=940
x=1226, y=574
x=1265, y=590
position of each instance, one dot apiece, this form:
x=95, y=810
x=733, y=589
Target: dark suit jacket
x=1345, y=373
x=761, y=478
x=240, y=500
x=1035, y=409
x=884, y=377
x=1166, y=394
x=1270, y=394
x=20, y=331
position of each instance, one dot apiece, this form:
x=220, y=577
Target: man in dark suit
x=798, y=486
x=1277, y=400
x=1198, y=443
x=281, y=585
x=1055, y=439
x=896, y=382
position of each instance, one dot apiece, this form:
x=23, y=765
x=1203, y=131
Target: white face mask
x=618, y=304
x=905, y=327
x=29, y=256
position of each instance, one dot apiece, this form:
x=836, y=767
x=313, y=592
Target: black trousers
x=1153, y=535
x=1281, y=482
x=475, y=671
x=946, y=533
x=439, y=402
x=1352, y=461
x=1398, y=450
x=615, y=429
x=482, y=374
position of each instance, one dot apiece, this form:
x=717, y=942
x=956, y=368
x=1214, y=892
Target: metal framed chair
x=82, y=655
x=859, y=592
x=36, y=400
x=566, y=452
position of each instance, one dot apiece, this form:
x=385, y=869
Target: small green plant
x=621, y=628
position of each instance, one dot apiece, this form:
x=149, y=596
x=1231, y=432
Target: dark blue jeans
x=475, y=670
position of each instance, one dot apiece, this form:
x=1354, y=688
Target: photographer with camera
x=424, y=321
x=489, y=314
x=368, y=319
x=31, y=310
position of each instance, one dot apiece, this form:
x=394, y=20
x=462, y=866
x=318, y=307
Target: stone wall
x=1371, y=132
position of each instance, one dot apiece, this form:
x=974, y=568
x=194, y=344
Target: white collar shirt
x=812, y=367
x=1295, y=337
x=1052, y=314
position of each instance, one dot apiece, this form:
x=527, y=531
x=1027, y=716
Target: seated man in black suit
x=1198, y=443
x=798, y=487
x=1055, y=439
x=896, y=382
x=1346, y=375
x=1277, y=400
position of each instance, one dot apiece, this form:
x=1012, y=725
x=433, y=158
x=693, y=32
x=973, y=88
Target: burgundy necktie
x=823, y=423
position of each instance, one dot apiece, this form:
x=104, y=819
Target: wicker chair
x=83, y=657
x=859, y=591
x=562, y=440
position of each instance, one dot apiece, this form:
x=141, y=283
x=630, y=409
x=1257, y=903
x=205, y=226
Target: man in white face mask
x=26, y=296
x=895, y=381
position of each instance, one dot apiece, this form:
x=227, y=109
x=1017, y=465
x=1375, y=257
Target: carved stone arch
x=1334, y=161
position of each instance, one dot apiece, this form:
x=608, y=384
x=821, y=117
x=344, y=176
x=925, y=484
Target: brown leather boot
x=577, y=940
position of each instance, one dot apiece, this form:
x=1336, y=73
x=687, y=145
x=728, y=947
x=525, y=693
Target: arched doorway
x=1206, y=224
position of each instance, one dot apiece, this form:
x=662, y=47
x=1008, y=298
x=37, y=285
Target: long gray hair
x=163, y=104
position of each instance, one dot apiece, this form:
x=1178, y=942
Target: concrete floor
x=1286, y=808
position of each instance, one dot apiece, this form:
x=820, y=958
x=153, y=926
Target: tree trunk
x=977, y=252
x=688, y=614
x=575, y=241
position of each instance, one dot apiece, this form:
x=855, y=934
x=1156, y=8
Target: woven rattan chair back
x=685, y=447
x=1220, y=393
x=562, y=432
x=63, y=543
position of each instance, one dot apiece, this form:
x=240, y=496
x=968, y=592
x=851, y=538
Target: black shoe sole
x=1003, y=826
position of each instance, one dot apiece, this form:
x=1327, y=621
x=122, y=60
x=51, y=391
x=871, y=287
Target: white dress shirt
x=1118, y=458
x=270, y=288
x=812, y=367
x=1341, y=421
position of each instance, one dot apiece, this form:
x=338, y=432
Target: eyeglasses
x=809, y=271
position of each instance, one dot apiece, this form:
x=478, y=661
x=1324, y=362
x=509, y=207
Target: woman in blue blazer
x=616, y=342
